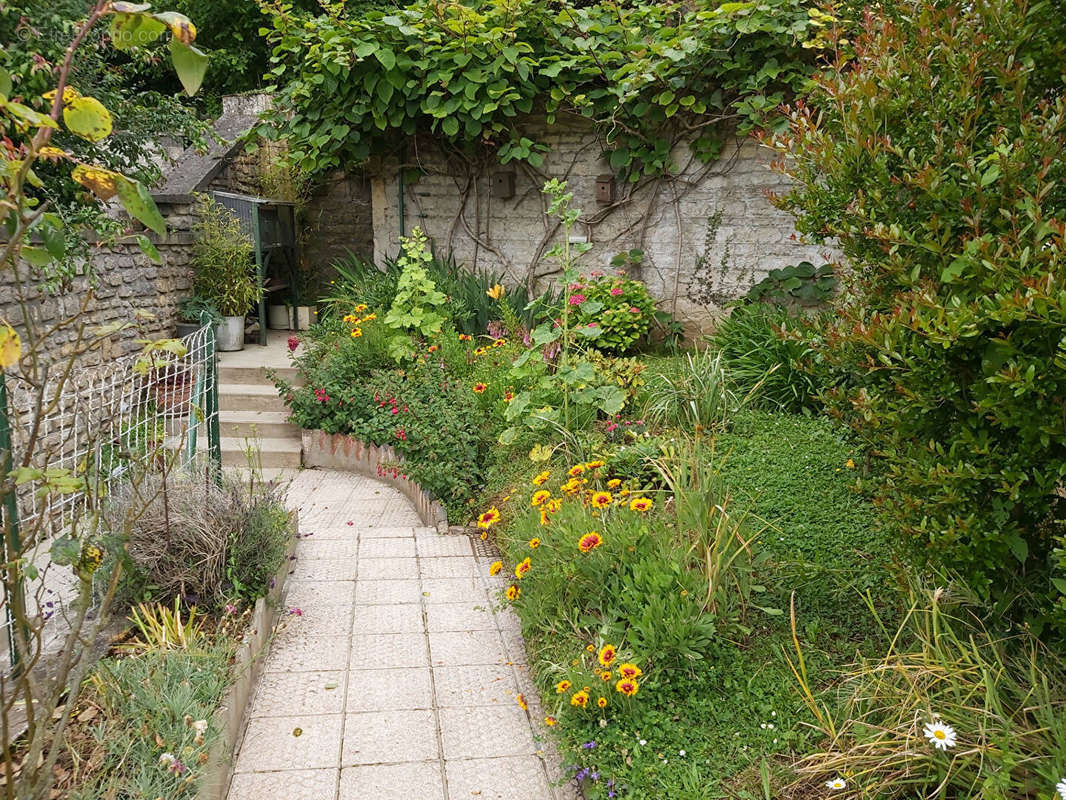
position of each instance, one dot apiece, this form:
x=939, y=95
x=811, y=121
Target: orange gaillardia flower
x=589, y=542
x=629, y=670
x=513, y=592
x=539, y=497
x=602, y=702
x=534, y=543
x=605, y=675
x=614, y=483
x=551, y=721
x=641, y=504
x=562, y=686
x=480, y=351
x=479, y=387
x=601, y=499
x=608, y=653
x=627, y=686
x=465, y=337
x=524, y=566
x=541, y=478
x=489, y=518
x=594, y=464
x=521, y=700
x=544, y=518
x=576, y=470
x=580, y=699
x=495, y=568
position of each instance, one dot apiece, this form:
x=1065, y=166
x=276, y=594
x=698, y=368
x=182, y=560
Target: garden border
x=231, y=716
x=343, y=452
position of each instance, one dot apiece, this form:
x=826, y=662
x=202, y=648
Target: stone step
x=274, y=474
x=273, y=453
x=249, y=397
x=255, y=375
x=268, y=424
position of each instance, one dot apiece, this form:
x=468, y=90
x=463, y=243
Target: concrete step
x=258, y=375
x=273, y=453
x=274, y=474
x=268, y=424
x=249, y=397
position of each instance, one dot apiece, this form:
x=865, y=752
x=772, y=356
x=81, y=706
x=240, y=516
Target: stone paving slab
x=394, y=674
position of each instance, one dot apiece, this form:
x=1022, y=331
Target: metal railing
x=95, y=428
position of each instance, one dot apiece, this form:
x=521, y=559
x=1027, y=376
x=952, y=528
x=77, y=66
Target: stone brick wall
x=337, y=219
x=707, y=235
x=121, y=280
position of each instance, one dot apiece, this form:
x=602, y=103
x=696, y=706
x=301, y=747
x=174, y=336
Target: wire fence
x=74, y=438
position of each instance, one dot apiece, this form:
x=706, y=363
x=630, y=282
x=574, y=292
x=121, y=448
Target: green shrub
x=769, y=352
x=799, y=283
x=620, y=307
x=223, y=270
x=419, y=309
x=933, y=159
x=359, y=281
x=258, y=544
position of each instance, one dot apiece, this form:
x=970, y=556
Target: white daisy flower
x=942, y=736
x=1060, y=787
x=836, y=783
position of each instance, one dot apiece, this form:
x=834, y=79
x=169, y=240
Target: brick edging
x=338, y=451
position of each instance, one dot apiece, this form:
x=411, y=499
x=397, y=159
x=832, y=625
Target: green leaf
x=190, y=63
x=37, y=256
x=139, y=204
x=66, y=551
x=5, y=83
x=450, y=126
x=129, y=30
x=149, y=249
x=386, y=57
x=88, y=118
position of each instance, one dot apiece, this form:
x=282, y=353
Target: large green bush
x=933, y=159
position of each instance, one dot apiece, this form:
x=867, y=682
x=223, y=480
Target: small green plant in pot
x=223, y=270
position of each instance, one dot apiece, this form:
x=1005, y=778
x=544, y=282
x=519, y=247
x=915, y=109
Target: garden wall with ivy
x=706, y=234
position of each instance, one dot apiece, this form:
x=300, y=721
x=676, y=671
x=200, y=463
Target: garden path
x=394, y=677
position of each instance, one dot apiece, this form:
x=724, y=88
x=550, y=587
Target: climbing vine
x=647, y=75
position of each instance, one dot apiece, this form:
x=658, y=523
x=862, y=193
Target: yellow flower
x=849, y=464
x=370, y=317
x=359, y=309
x=640, y=504
x=479, y=387
x=580, y=699
x=601, y=499
x=523, y=566
x=521, y=700
x=357, y=332
x=495, y=567
x=351, y=319
x=614, y=483
x=571, y=487
x=562, y=686
x=576, y=470
x=594, y=464
x=513, y=592
x=551, y=721
x=601, y=702
x=608, y=654
x=554, y=505
x=591, y=648
x=544, y=518
x=541, y=478
x=484, y=535
x=480, y=351
x=539, y=497
x=496, y=291
x=628, y=670
x=606, y=675
x=627, y=686
x=534, y=543
x=489, y=518
x=589, y=542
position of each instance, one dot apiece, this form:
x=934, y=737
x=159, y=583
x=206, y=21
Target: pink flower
x=293, y=343
x=295, y=612
x=592, y=325
x=634, y=310
x=395, y=410
x=617, y=290
x=577, y=299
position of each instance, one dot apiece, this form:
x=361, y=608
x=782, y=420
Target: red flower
x=479, y=387
x=293, y=343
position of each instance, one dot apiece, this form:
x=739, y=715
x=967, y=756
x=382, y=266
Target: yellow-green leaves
x=190, y=63
x=105, y=184
x=101, y=182
x=10, y=346
x=84, y=116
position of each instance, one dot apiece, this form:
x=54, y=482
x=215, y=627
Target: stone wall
x=707, y=236
x=121, y=279
x=337, y=220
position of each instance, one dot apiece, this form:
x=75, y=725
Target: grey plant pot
x=187, y=329
x=229, y=334
x=279, y=318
